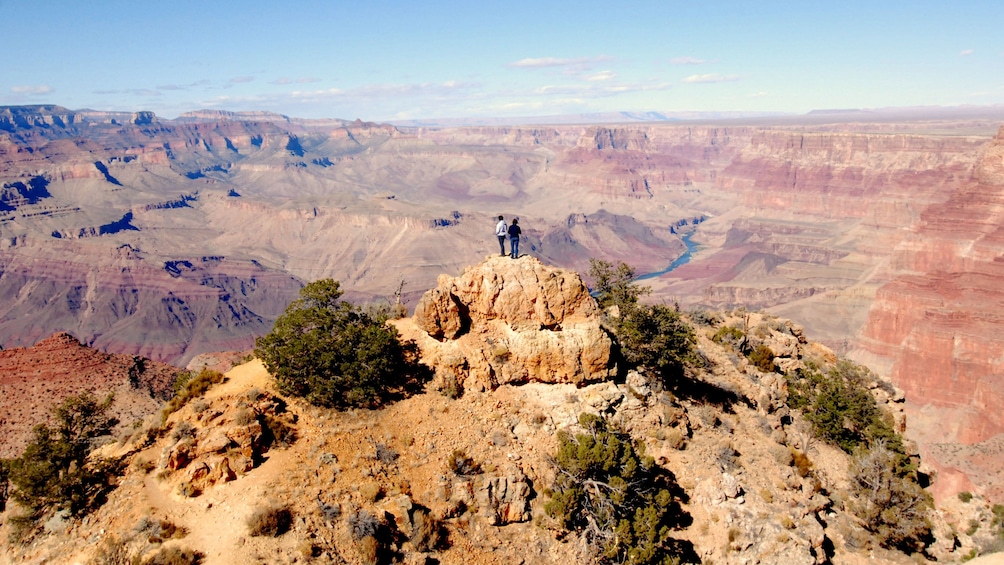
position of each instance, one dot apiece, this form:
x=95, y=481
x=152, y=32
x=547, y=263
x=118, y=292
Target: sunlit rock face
x=514, y=321
x=940, y=320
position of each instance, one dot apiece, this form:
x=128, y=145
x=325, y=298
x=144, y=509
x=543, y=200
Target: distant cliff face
x=940, y=320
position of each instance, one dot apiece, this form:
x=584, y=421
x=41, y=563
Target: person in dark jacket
x=514, y=233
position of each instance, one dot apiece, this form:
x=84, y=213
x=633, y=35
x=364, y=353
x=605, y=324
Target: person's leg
x=515, y=247
x=502, y=245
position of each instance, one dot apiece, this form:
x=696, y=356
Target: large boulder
x=514, y=321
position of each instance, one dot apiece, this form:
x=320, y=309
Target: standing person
x=501, y=230
x=514, y=233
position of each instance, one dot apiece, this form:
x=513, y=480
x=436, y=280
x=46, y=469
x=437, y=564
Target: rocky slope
x=35, y=380
x=725, y=435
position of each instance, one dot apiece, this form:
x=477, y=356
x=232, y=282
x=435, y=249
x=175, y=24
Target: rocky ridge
x=465, y=479
x=34, y=380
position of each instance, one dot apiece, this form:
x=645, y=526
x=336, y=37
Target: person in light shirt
x=501, y=230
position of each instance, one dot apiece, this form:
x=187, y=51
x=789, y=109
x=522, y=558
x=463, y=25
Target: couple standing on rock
x=513, y=231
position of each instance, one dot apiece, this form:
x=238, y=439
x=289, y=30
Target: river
x=681, y=260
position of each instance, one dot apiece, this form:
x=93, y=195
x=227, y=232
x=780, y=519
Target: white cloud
x=448, y=89
x=600, y=76
x=302, y=80
x=133, y=91
x=967, y=52
x=687, y=61
x=760, y=94
x=545, y=62
x=32, y=90
x=712, y=77
x=237, y=80
x=597, y=90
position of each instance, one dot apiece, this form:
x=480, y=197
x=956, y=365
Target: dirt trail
x=217, y=521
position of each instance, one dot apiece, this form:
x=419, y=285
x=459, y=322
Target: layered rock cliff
x=224, y=215
x=938, y=323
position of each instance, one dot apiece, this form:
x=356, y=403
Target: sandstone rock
x=181, y=454
x=638, y=384
x=506, y=321
x=221, y=472
x=400, y=508
x=729, y=486
x=216, y=441
x=505, y=500
x=600, y=397
x=247, y=438
x=199, y=473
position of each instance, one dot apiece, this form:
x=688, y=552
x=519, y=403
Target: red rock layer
x=34, y=380
x=940, y=318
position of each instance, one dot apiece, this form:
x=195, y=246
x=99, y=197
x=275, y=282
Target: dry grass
x=272, y=521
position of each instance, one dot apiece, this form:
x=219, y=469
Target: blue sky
x=384, y=60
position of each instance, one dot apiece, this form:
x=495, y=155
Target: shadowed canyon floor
x=171, y=238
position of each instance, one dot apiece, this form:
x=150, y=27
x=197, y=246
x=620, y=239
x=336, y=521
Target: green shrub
x=333, y=353
x=272, y=521
x=614, y=496
x=841, y=408
x=427, y=532
x=276, y=432
x=998, y=520
x=450, y=387
x=965, y=496
x=4, y=484
x=54, y=471
x=730, y=336
x=842, y=411
x=974, y=526
x=614, y=286
x=656, y=337
x=189, y=386
x=702, y=317
x=112, y=551
x=462, y=465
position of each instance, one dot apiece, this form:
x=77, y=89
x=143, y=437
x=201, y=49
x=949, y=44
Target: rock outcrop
x=215, y=443
x=513, y=321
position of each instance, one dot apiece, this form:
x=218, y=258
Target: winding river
x=681, y=260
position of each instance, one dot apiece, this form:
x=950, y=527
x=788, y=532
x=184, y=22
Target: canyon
x=172, y=238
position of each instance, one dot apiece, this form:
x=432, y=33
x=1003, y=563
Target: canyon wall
x=171, y=238
x=939, y=319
